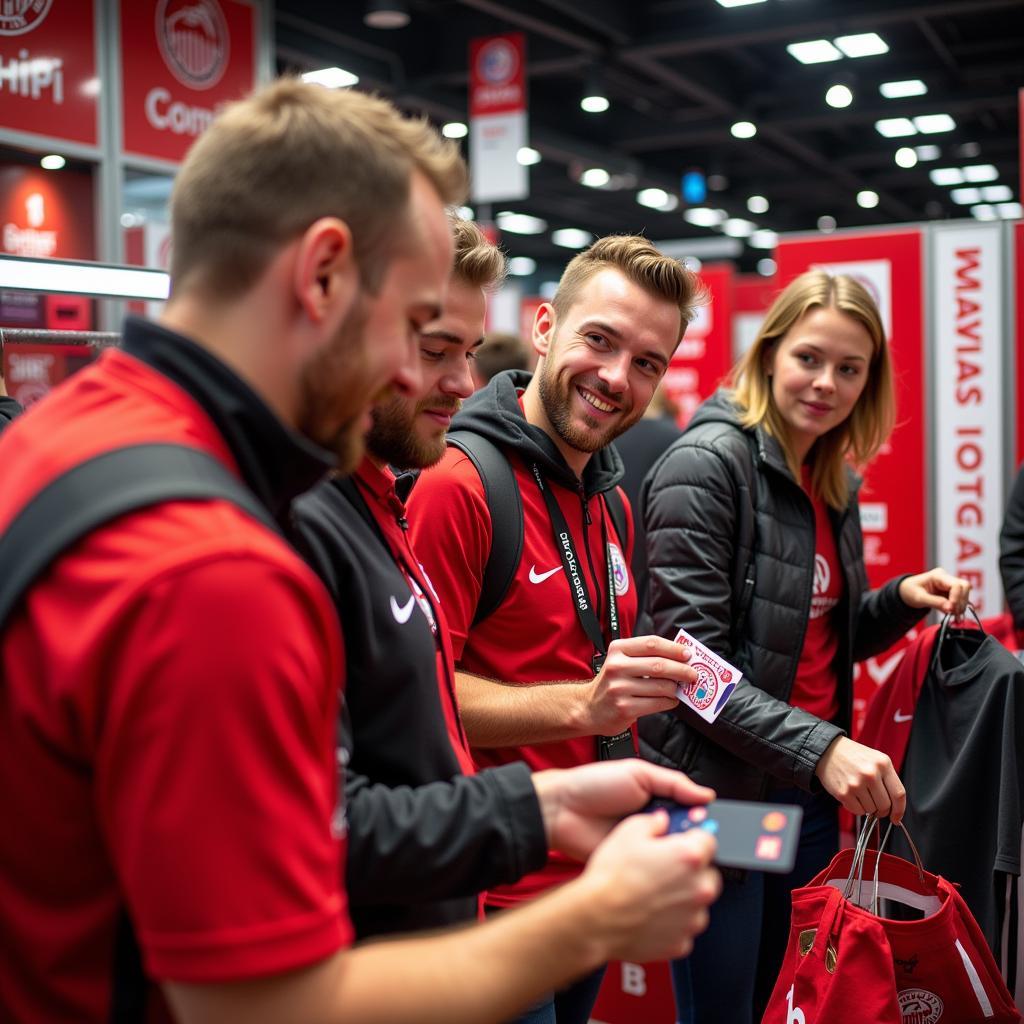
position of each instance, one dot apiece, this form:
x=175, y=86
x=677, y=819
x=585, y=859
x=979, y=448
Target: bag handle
x=871, y=823
x=943, y=629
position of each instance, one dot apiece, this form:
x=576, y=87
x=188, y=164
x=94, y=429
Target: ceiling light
x=966, y=196
x=331, y=78
x=899, y=90
x=52, y=162
x=744, y=130
x=704, y=216
x=83, y=278
x=980, y=172
x=757, y=204
x=454, y=130
x=766, y=267
x=657, y=199
x=520, y=223
x=930, y=124
x=968, y=150
x=839, y=96
x=867, y=199
x=595, y=177
x=984, y=212
x=997, y=193
x=865, y=44
x=826, y=224
x=763, y=239
x=895, y=127
x=521, y=266
x=466, y=212
x=738, y=3
x=571, y=238
x=386, y=14
x=737, y=227
x=814, y=51
x=1010, y=211
x=905, y=157
x=946, y=176
x=594, y=100
x=928, y=152
x=527, y=156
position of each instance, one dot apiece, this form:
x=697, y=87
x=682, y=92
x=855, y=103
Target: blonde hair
x=858, y=438
x=478, y=262
x=272, y=164
x=639, y=261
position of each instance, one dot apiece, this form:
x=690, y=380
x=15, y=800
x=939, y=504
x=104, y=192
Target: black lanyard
x=609, y=747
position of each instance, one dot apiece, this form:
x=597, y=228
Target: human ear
x=325, y=275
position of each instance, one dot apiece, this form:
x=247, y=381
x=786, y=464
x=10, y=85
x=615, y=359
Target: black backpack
x=505, y=505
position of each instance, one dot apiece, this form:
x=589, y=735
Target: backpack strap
x=505, y=505
x=102, y=489
x=617, y=510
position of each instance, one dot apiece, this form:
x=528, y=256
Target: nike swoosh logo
x=898, y=717
x=402, y=612
x=540, y=577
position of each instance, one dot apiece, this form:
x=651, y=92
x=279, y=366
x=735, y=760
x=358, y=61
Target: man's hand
x=639, y=677
x=862, y=779
x=651, y=891
x=582, y=805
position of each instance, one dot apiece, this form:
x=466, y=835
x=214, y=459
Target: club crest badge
x=919, y=1006
x=193, y=39
x=20, y=16
x=620, y=571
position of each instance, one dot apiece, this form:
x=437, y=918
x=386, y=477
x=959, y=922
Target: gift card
x=716, y=679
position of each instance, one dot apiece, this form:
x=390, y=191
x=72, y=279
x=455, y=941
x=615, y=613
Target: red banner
x=497, y=74
x=752, y=296
x=48, y=82
x=893, y=500
x=46, y=213
x=181, y=60
x=704, y=355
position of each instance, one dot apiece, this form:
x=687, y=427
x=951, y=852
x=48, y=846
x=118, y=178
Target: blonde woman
x=754, y=547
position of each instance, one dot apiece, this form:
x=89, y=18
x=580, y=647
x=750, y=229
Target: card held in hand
x=716, y=679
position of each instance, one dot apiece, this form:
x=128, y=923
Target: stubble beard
x=393, y=438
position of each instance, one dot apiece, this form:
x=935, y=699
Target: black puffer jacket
x=716, y=495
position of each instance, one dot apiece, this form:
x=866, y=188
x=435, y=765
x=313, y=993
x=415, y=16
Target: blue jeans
x=570, y=1005
x=729, y=976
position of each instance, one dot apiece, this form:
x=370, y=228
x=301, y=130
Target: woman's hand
x=936, y=589
x=862, y=779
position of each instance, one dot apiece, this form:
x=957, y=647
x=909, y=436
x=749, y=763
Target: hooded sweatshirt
x=534, y=635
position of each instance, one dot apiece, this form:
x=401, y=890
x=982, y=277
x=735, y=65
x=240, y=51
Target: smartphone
x=758, y=837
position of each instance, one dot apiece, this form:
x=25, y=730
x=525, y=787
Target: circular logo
x=619, y=570
x=702, y=693
x=497, y=62
x=20, y=16
x=193, y=40
x=919, y=1006
x=773, y=821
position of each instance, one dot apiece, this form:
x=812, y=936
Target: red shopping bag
x=848, y=961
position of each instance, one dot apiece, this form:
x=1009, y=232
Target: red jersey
x=534, y=635
x=815, y=687
x=168, y=707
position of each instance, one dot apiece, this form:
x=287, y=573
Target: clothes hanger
x=964, y=639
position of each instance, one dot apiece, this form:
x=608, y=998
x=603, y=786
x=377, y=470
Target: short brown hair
x=272, y=164
x=638, y=259
x=478, y=262
x=859, y=437
x=500, y=352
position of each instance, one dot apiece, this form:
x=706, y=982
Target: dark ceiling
x=678, y=74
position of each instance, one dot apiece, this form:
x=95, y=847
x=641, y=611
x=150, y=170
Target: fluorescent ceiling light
x=899, y=90
x=520, y=223
x=864, y=44
x=839, y=96
x=571, y=238
x=905, y=157
x=867, y=199
x=528, y=156
x=52, y=162
x=521, y=266
x=466, y=212
x=454, y=130
x=814, y=51
x=966, y=196
x=738, y=3
x=737, y=227
x=980, y=172
x=930, y=124
x=332, y=78
x=757, y=204
x=928, y=152
x=595, y=177
x=984, y=212
x=1010, y=211
x=763, y=239
x=997, y=193
x=766, y=267
x=595, y=104
x=895, y=127
x=657, y=199
x=946, y=176
x=79, y=278
x=744, y=129
x=704, y=216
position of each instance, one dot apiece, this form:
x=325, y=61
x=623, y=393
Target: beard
x=334, y=387
x=393, y=438
x=556, y=398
